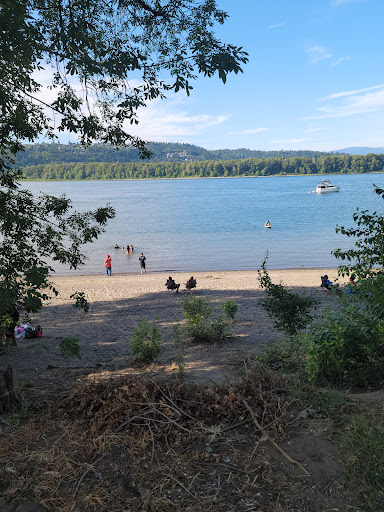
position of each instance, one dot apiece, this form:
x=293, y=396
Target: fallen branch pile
x=139, y=444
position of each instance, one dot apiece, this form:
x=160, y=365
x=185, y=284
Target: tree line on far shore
x=329, y=164
x=43, y=153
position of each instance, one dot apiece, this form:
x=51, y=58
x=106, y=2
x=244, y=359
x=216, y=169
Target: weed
x=145, y=343
x=230, y=309
x=362, y=442
x=287, y=356
x=177, y=334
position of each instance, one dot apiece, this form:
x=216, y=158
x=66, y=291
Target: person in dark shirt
x=171, y=285
x=142, y=259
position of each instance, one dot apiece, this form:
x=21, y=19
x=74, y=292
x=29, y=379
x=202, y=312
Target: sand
x=120, y=302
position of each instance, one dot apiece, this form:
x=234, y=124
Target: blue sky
x=315, y=80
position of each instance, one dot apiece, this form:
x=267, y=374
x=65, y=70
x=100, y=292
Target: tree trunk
x=9, y=401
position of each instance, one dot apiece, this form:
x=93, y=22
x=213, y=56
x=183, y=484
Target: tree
x=368, y=252
x=97, y=46
x=108, y=59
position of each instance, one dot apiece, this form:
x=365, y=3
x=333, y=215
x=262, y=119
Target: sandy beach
x=120, y=302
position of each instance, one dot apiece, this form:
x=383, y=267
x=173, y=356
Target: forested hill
x=102, y=162
x=244, y=167
x=41, y=154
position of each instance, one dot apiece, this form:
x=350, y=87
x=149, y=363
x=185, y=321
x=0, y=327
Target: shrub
x=145, y=343
x=219, y=330
x=199, y=328
x=70, y=347
x=347, y=349
x=230, y=308
x=290, y=311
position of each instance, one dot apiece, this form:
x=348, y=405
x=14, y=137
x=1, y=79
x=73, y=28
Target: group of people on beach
x=108, y=261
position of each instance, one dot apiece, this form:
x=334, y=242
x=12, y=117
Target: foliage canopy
x=106, y=59
x=369, y=246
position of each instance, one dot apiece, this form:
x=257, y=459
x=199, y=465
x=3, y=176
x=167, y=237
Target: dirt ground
x=99, y=434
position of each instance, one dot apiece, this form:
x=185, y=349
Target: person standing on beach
x=142, y=263
x=108, y=265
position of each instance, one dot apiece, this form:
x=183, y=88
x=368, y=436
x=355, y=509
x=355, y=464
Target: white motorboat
x=326, y=186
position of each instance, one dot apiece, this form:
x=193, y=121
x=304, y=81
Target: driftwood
x=9, y=401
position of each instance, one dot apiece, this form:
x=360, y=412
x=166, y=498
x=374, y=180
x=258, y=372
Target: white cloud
x=161, y=121
x=351, y=93
x=318, y=53
x=348, y=103
x=245, y=132
x=340, y=60
x=277, y=25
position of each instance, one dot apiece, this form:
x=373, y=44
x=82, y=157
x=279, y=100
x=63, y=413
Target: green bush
x=219, y=330
x=146, y=343
x=70, y=347
x=230, y=308
x=290, y=312
x=347, y=349
x=199, y=326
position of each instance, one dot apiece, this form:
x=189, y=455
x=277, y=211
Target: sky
x=314, y=80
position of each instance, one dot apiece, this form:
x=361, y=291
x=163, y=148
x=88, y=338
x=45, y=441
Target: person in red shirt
x=108, y=265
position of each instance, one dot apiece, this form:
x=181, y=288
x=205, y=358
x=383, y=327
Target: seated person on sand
x=171, y=285
x=327, y=284
x=191, y=283
x=352, y=285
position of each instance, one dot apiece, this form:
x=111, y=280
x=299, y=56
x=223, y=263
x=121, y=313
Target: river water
x=218, y=224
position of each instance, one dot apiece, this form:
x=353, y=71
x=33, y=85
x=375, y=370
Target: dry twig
x=285, y=454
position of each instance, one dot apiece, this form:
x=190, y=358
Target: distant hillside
x=43, y=154
x=360, y=151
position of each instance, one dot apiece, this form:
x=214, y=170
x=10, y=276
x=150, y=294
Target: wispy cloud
x=351, y=93
x=340, y=60
x=349, y=103
x=160, y=121
x=245, y=132
x=318, y=53
x=289, y=141
x=277, y=25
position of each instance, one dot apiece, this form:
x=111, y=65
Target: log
x=9, y=401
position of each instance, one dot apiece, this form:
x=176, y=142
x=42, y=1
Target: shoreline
x=201, y=177
x=122, y=286
x=157, y=272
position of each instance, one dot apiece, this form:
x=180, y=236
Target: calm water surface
x=218, y=224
